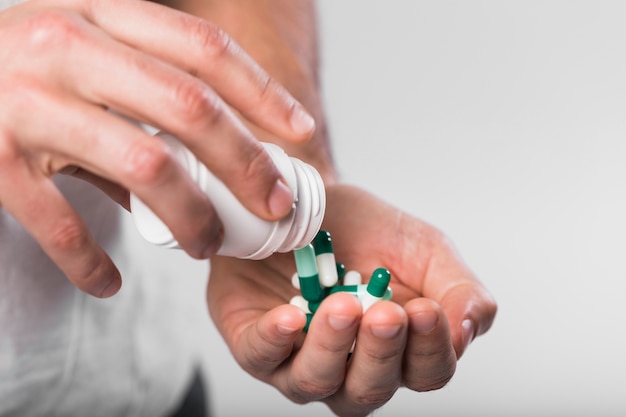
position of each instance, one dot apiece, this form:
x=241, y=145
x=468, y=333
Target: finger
x=470, y=310
x=267, y=343
x=469, y=307
x=70, y=132
x=319, y=368
x=430, y=360
x=37, y=204
x=142, y=87
x=375, y=369
x=201, y=48
x=193, y=112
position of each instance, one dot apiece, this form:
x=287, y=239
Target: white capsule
x=300, y=302
x=295, y=280
x=352, y=278
x=327, y=269
x=367, y=300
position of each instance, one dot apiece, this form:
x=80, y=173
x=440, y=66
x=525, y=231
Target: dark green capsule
x=379, y=281
x=341, y=270
x=322, y=242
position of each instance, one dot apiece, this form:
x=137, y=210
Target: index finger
x=469, y=307
x=202, y=49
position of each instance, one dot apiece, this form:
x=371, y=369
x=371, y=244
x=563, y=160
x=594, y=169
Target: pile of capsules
x=318, y=275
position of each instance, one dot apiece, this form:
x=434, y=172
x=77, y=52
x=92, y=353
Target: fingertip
x=302, y=123
x=216, y=233
x=92, y=271
x=112, y=287
x=385, y=319
x=280, y=200
x=290, y=320
x=103, y=281
x=109, y=277
x=468, y=333
x=342, y=303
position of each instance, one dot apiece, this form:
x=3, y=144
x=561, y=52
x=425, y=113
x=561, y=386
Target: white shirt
x=63, y=352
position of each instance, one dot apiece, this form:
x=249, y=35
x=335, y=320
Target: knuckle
x=210, y=38
x=373, y=400
x=197, y=103
x=383, y=357
x=268, y=93
x=430, y=379
x=26, y=94
x=430, y=384
x=257, y=356
x=270, y=88
x=148, y=162
x=52, y=28
x=68, y=235
x=305, y=390
x=259, y=165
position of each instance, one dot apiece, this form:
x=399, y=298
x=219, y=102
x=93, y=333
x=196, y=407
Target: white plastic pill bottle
x=246, y=236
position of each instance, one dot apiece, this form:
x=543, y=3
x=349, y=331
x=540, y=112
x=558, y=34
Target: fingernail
x=384, y=331
x=468, y=332
x=286, y=327
x=341, y=322
x=424, y=322
x=280, y=200
x=111, y=288
x=301, y=121
x=286, y=330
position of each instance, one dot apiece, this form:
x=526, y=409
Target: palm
x=247, y=300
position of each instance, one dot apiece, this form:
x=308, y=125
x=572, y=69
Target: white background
x=503, y=124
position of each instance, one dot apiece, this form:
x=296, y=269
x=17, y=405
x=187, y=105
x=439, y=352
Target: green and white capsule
x=326, y=264
x=301, y=303
x=352, y=277
x=295, y=280
x=360, y=292
x=341, y=270
x=376, y=288
x=308, y=276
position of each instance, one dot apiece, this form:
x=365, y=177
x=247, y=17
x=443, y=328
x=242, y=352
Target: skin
x=65, y=63
x=77, y=59
x=414, y=340
x=438, y=307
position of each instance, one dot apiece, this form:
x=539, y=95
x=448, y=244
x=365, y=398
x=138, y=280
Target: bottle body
x=246, y=236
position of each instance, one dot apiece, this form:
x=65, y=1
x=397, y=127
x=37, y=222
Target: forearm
x=281, y=35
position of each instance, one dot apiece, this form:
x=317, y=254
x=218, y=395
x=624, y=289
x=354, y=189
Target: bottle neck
x=247, y=236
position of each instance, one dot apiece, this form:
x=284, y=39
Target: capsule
x=308, y=274
x=352, y=278
x=325, y=258
x=376, y=288
x=300, y=302
x=295, y=280
x=341, y=270
x=358, y=291
x=309, y=317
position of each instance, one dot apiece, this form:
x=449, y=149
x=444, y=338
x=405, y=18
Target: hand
x=437, y=309
x=65, y=63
